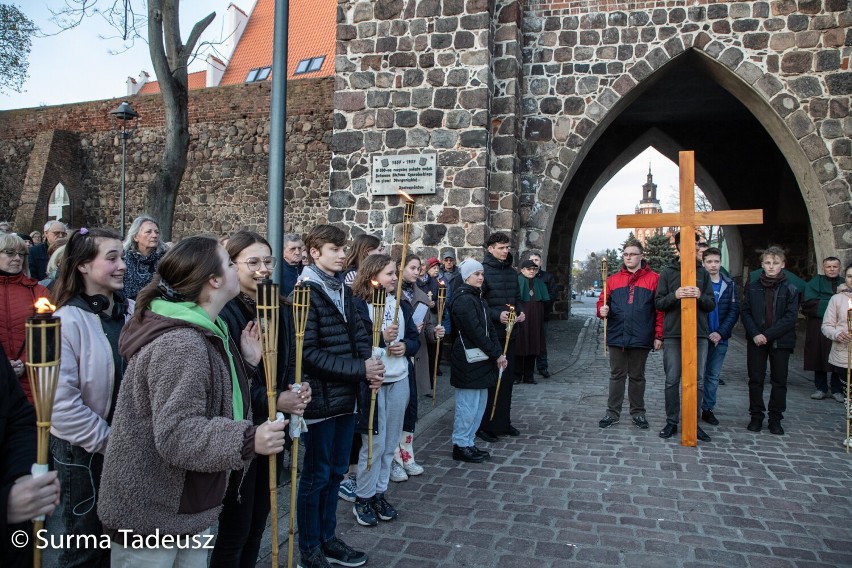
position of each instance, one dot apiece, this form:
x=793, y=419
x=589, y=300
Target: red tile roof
x=197, y=80
x=312, y=33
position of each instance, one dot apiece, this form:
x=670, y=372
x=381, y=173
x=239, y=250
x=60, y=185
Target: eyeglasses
x=254, y=263
x=629, y=254
x=14, y=253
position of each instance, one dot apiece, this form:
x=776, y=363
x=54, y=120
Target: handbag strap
x=484, y=313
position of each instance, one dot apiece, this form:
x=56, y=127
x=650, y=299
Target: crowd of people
x=643, y=312
x=161, y=425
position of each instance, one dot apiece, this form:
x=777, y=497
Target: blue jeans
x=712, y=371
x=79, y=475
x=470, y=407
x=327, y=445
x=672, y=368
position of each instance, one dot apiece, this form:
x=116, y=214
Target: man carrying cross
x=669, y=294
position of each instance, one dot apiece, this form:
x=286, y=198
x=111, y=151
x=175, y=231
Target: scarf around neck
x=770, y=289
x=191, y=312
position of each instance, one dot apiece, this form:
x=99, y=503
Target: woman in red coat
x=18, y=294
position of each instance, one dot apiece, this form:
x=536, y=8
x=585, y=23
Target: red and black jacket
x=633, y=320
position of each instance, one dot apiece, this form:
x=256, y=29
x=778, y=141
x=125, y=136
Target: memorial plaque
x=414, y=174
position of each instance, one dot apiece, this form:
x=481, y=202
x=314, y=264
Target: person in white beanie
x=472, y=378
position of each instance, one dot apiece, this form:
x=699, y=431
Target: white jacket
x=86, y=379
x=834, y=322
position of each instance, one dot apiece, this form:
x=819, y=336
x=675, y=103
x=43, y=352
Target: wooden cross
x=688, y=219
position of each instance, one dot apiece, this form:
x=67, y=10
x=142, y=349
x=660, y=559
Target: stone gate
x=532, y=105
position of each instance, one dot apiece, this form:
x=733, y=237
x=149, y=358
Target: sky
x=80, y=65
x=76, y=65
x=620, y=196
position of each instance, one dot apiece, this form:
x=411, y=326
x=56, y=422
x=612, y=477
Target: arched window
x=59, y=205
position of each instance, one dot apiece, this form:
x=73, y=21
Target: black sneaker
x=383, y=509
x=640, y=421
x=608, y=421
x=710, y=418
x=756, y=423
x=313, y=559
x=775, y=428
x=338, y=552
x=485, y=455
x=467, y=454
x=668, y=430
x=702, y=435
x=364, y=513
x=487, y=436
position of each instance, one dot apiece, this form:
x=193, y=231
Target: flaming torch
x=379, y=298
x=43, y=336
x=268, y=310
x=301, y=303
x=407, y=218
x=604, y=274
x=442, y=298
x=510, y=323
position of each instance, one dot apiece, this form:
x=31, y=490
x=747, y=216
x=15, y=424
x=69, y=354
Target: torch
x=604, y=274
x=442, y=297
x=510, y=323
x=43, y=336
x=407, y=218
x=268, y=308
x=301, y=303
x=379, y=298
x=848, y=367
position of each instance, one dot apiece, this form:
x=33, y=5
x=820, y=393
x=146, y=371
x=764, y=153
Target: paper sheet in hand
x=420, y=313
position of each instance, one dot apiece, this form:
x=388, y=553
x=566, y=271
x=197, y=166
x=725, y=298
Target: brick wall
x=225, y=184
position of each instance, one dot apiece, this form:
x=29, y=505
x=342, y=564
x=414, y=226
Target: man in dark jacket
x=549, y=281
x=336, y=359
x=721, y=323
x=292, y=267
x=818, y=292
x=634, y=327
x=500, y=290
x=769, y=312
x=669, y=295
x=53, y=230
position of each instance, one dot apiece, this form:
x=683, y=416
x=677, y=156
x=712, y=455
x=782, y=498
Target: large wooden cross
x=688, y=219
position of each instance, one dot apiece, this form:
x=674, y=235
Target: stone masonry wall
x=414, y=76
x=792, y=58
x=225, y=184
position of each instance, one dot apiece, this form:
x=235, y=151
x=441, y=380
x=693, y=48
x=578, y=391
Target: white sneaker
x=819, y=395
x=398, y=472
x=846, y=442
x=412, y=468
x=839, y=397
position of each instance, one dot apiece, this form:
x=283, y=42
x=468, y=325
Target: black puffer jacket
x=782, y=333
x=333, y=355
x=469, y=314
x=499, y=290
x=666, y=301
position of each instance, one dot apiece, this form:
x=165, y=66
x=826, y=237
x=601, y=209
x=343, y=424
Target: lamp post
x=124, y=113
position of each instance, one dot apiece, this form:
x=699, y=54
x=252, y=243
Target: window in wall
x=59, y=205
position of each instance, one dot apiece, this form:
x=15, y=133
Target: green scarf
x=191, y=312
x=539, y=289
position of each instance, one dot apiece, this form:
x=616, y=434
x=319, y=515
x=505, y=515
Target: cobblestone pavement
x=566, y=493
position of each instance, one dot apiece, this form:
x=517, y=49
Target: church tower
x=649, y=204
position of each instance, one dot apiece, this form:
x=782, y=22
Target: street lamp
x=124, y=113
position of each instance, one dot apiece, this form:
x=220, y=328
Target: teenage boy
x=500, y=290
x=336, y=359
x=769, y=311
x=818, y=292
x=634, y=328
x=721, y=323
x=669, y=295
